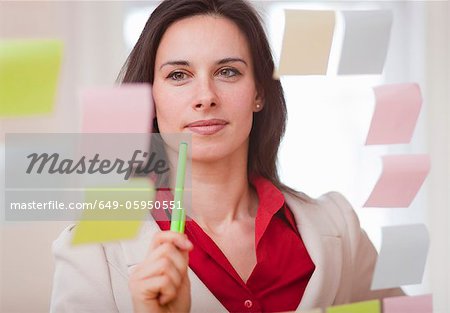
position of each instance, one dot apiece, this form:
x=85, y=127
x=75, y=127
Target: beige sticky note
x=307, y=40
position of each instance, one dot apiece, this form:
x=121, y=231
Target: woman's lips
x=207, y=129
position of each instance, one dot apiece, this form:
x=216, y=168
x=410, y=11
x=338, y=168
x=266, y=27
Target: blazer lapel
x=324, y=247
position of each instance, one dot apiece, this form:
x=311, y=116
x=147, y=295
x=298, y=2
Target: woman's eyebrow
x=186, y=63
x=230, y=60
x=177, y=62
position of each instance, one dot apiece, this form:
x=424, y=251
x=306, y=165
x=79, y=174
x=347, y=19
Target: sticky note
x=115, y=213
x=29, y=72
x=402, y=256
x=307, y=40
x=372, y=306
x=366, y=41
x=126, y=108
x=304, y=311
x=397, y=108
x=121, y=117
x=408, y=304
x=401, y=179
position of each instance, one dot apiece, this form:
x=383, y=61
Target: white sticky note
x=307, y=40
x=366, y=42
x=402, y=256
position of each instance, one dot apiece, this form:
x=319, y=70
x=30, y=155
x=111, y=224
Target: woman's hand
x=160, y=283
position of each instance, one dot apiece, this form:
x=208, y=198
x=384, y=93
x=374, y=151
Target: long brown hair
x=269, y=124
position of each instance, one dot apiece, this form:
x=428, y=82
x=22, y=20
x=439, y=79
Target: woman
x=253, y=244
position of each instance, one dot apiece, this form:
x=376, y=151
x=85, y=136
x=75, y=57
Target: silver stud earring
x=258, y=106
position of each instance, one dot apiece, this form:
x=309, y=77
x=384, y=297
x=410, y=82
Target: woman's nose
x=206, y=94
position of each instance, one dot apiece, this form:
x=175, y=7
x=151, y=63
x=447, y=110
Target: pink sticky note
x=414, y=304
x=401, y=179
x=120, y=109
x=116, y=125
x=397, y=108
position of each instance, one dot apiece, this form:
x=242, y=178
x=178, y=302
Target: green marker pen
x=178, y=215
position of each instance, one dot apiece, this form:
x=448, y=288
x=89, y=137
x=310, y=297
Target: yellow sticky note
x=307, y=40
x=29, y=71
x=114, y=212
x=372, y=306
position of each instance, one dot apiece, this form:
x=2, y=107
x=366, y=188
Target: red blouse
x=283, y=267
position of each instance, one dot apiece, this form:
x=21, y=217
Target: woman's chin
x=206, y=155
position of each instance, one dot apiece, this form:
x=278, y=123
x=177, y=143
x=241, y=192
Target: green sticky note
x=372, y=306
x=29, y=71
x=114, y=212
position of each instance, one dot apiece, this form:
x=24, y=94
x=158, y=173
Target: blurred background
x=323, y=150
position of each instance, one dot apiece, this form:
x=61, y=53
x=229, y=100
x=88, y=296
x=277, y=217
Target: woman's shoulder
x=337, y=203
x=65, y=238
x=80, y=272
x=88, y=255
x=333, y=201
x=117, y=255
x=330, y=211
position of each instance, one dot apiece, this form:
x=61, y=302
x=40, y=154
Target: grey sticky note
x=402, y=256
x=366, y=42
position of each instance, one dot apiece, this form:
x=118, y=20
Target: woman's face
x=204, y=86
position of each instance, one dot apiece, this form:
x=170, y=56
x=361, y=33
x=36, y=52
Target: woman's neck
x=218, y=193
x=222, y=198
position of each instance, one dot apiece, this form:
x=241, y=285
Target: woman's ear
x=259, y=102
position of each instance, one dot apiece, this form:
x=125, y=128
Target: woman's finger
x=168, y=250
x=161, y=267
x=179, y=240
x=158, y=287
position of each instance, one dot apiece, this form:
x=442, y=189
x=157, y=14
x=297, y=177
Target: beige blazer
x=94, y=278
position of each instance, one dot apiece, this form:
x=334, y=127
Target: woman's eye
x=229, y=72
x=177, y=76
